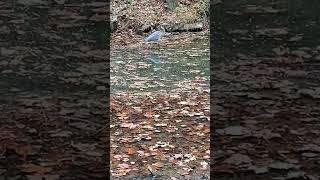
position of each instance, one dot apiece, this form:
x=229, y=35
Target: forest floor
x=162, y=135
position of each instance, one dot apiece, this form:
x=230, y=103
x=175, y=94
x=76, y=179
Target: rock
x=202, y=119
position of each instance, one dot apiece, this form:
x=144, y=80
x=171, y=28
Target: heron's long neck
x=162, y=33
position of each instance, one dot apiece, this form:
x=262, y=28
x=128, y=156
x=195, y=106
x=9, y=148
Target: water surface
x=159, y=67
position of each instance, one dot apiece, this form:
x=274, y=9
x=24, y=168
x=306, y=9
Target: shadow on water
x=160, y=68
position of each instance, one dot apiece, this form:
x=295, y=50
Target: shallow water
x=159, y=67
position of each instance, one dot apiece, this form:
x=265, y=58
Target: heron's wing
x=153, y=36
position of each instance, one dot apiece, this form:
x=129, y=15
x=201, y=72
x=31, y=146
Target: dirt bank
x=132, y=20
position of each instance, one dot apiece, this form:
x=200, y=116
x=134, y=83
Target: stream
x=159, y=67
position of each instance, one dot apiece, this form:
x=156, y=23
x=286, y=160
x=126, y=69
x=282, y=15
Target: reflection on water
x=154, y=58
x=159, y=69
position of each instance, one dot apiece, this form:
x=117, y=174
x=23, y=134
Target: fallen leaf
x=131, y=151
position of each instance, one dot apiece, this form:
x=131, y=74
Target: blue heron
x=155, y=36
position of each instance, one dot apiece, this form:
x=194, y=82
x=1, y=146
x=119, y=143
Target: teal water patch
x=159, y=67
